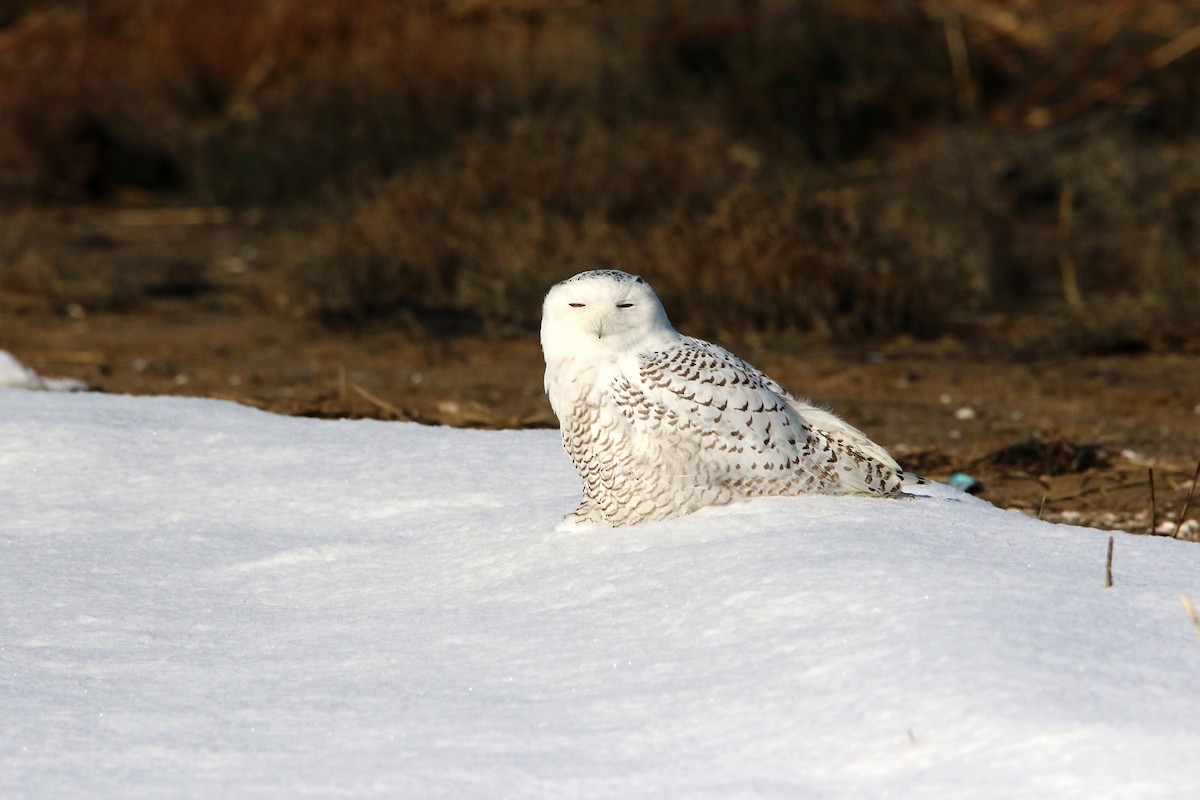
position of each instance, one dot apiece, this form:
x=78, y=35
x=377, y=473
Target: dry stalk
x=1102, y=33
x=68, y=357
x=1153, y=507
x=960, y=63
x=1058, y=498
x=172, y=217
x=1187, y=503
x=1191, y=611
x=1066, y=262
x=395, y=411
x=1042, y=507
x=1108, y=582
x=1116, y=82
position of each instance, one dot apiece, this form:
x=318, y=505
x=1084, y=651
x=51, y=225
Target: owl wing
x=732, y=424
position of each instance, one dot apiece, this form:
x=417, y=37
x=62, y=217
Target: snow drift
x=200, y=600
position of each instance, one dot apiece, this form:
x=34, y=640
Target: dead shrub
x=727, y=241
x=1049, y=455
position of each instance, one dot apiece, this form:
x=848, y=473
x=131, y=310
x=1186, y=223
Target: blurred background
x=355, y=207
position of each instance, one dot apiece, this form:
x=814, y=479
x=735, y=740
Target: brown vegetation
x=847, y=168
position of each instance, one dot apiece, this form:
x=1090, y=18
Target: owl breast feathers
x=659, y=424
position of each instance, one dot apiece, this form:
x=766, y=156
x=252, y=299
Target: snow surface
x=16, y=375
x=198, y=599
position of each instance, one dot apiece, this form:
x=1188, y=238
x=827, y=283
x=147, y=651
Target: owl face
x=603, y=310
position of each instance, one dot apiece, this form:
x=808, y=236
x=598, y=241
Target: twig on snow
x=1108, y=565
x=1191, y=611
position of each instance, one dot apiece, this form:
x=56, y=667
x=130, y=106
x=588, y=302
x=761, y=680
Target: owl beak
x=600, y=326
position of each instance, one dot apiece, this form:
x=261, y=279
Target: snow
x=14, y=374
x=199, y=599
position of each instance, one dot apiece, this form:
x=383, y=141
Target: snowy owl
x=659, y=424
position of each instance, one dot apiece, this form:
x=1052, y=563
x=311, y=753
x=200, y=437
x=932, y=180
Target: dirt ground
x=193, y=302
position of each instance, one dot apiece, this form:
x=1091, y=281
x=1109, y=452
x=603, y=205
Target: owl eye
x=576, y=305
x=624, y=305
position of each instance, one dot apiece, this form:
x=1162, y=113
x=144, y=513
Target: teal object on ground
x=965, y=483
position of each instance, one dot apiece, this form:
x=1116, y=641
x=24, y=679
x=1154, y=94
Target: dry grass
x=851, y=169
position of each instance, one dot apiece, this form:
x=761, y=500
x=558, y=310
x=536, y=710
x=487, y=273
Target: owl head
x=602, y=311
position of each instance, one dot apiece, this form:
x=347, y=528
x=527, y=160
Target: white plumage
x=659, y=424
